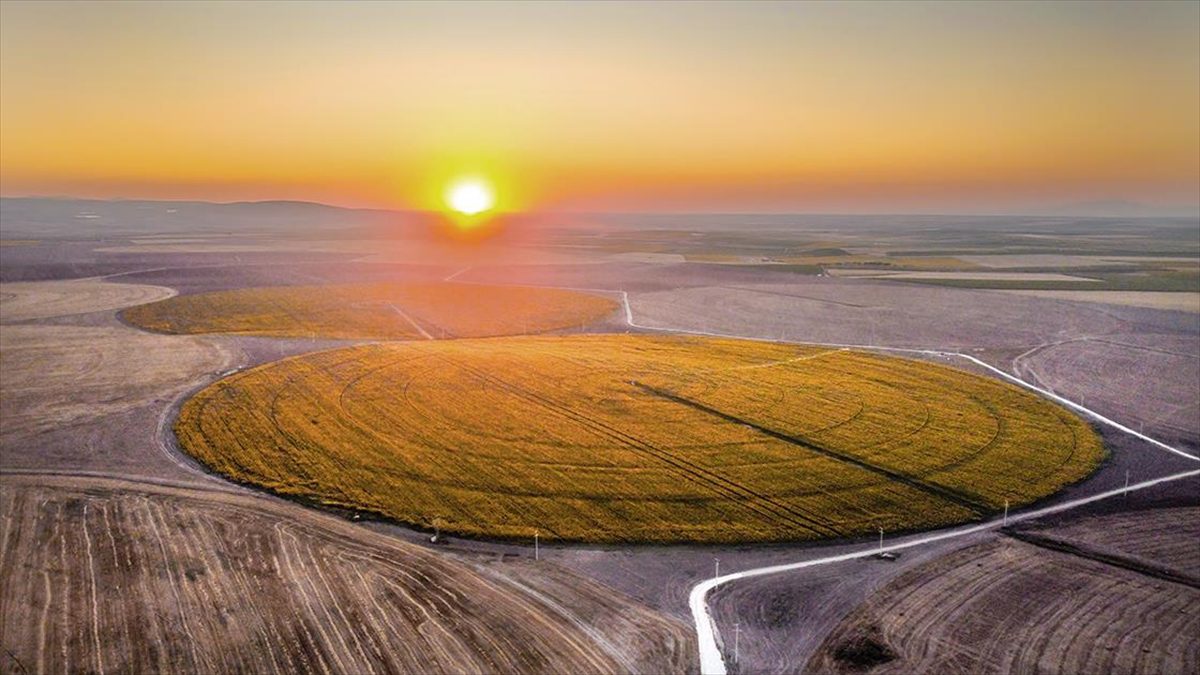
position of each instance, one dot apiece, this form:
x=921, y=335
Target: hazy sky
x=762, y=107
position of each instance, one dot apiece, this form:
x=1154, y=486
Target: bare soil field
x=59, y=375
x=215, y=246
x=54, y=375
x=112, y=576
x=632, y=277
x=874, y=312
x=637, y=439
x=76, y=261
x=1179, y=302
x=194, y=279
x=373, y=311
x=1010, y=606
x=39, y=300
x=1153, y=379
x=651, y=258
x=1002, y=276
x=1003, y=260
x=1166, y=537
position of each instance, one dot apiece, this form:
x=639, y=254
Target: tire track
x=1124, y=562
x=714, y=481
x=942, y=492
x=270, y=587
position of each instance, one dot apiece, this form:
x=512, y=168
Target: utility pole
x=881, y=541
x=737, y=629
x=1005, y=513
x=1126, y=483
x=716, y=567
x=536, y=550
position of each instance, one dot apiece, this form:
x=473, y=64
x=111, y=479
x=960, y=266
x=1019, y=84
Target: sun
x=470, y=196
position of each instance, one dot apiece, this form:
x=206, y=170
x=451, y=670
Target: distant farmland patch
x=977, y=276
x=637, y=439
x=374, y=311
x=27, y=300
x=1180, y=302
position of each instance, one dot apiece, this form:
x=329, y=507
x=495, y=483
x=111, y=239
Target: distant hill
x=64, y=217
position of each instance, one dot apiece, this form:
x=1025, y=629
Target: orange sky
x=692, y=107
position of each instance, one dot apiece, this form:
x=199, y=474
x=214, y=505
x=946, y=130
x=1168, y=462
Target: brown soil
x=114, y=576
x=1009, y=605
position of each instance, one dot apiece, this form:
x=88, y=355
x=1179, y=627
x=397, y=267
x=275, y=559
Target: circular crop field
x=637, y=439
x=373, y=311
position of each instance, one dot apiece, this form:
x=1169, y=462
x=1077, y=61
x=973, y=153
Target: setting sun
x=470, y=196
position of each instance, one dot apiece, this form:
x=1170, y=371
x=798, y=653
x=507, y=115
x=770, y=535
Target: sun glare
x=470, y=196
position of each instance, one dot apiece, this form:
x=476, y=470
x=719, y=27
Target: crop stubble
x=373, y=311
x=1008, y=606
x=112, y=576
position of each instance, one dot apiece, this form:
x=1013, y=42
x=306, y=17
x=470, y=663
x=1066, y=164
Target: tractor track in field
x=942, y=492
x=691, y=471
x=1083, y=551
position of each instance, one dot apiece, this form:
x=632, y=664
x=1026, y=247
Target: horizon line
x=1065, y=212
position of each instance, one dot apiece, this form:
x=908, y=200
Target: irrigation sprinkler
x=1005, y=513
x=716, y=567
x=881, y=541
x=536, y=549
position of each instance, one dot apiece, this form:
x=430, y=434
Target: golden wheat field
x=637, y=438
x=373, y=311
